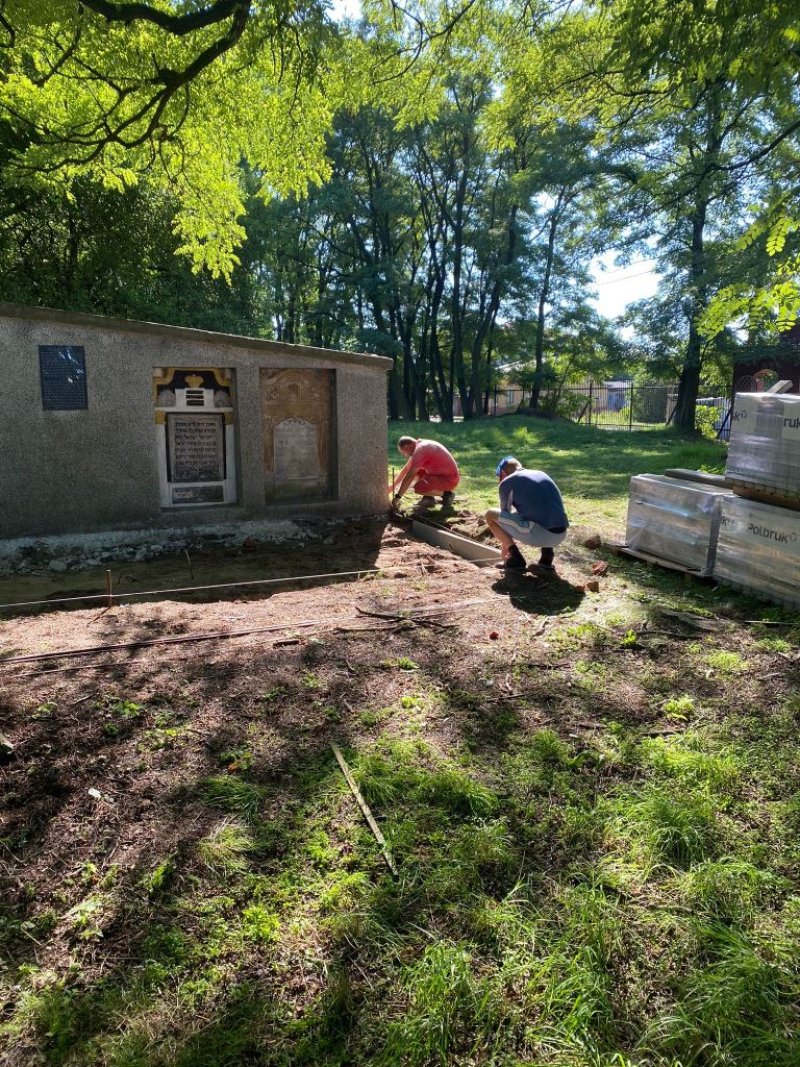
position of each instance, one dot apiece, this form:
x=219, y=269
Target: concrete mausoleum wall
x=75, y=471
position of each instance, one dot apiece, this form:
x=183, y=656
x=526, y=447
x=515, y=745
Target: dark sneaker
x=546, y=559
x=426, y=502
x=514, y=562
x=448, y=498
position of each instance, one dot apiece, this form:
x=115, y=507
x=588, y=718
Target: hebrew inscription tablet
x=196, y=448
x=296, y=445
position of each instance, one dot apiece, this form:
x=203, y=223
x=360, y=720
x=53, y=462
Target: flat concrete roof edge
x=190, y=333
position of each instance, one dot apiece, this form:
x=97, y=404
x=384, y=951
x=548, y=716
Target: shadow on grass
x=242, y=915
x=539, y=594
x=258, y=925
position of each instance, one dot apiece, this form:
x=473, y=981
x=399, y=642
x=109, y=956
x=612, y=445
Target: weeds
x=259, y=924
x=447, y=1005
x=736, y=1007
x=402, y=663
x=726, y=663
x=661, y=828
x=226, y=849
x=233, y=795
x=728, y=889
x=680, y=708
x=237, y=759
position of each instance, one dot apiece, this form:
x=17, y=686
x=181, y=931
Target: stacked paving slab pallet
x=764, y=451
x=759, y=550
x=759, y=535
x=675, y=520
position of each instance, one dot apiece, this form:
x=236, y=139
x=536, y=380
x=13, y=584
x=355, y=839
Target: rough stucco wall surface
x=71, y=471
x=361, y=430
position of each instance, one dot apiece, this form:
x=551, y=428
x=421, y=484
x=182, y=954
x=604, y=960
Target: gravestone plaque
x=297, y=416
x=297, y=452
x=196, y=448
x=198, y=494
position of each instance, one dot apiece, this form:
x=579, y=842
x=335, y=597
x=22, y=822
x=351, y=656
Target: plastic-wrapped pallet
x=675, y=520
x=764, y=448
x=759, y=550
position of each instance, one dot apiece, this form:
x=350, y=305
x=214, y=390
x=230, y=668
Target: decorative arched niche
x=297, y=419
x=195, y=436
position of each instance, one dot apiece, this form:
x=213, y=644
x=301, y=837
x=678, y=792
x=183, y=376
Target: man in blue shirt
x=531, y=511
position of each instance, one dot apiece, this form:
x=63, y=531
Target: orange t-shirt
x=433, y=458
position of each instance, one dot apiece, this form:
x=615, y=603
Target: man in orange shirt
x=430, y=470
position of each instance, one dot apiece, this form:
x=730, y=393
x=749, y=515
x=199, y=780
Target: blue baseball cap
x=499, y=468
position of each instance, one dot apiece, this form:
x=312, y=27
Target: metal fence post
x=630, y=415
x=589, y=412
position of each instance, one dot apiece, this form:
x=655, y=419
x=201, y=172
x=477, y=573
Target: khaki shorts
x=528, y=532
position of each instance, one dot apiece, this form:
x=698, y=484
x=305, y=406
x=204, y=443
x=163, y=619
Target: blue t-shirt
x=535, y=496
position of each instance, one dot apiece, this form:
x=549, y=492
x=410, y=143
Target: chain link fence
x=626, y=405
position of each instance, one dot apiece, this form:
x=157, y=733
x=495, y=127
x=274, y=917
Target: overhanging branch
x=188, y=22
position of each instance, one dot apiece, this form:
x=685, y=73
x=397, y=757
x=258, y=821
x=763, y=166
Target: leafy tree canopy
x=184, y=90
x=179, y=90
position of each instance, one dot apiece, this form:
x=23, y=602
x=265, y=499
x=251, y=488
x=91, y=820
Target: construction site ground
x=150, y=792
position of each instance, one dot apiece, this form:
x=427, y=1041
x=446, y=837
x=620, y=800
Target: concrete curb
x=474, y=551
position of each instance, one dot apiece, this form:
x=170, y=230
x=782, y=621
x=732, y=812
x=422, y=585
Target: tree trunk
x=394, y=394
x=689, y=385
x=442, y=390
x=457, y=317
x=544, y=293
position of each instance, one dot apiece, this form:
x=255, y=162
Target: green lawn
x=592, y=467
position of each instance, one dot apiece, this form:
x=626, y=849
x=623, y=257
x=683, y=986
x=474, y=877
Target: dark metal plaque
x=63, y=375
x=198, y=494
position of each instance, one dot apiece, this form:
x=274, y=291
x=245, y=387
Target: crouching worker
x=431, y=471
x=531, y=512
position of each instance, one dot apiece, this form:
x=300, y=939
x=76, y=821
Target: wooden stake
x=109, y=596
x=364, y=808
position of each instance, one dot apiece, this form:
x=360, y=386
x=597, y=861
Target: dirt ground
x=108, y=748
x=60, y=714
x=114, y=752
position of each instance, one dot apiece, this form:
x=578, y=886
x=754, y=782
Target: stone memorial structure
x=110, y=424
x=296, y=408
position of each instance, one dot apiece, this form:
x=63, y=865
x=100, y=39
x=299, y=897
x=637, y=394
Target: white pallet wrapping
x=764, y=447
x=759, y=550
x=675, y=520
